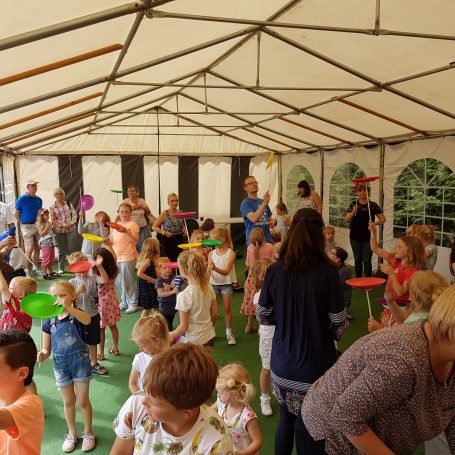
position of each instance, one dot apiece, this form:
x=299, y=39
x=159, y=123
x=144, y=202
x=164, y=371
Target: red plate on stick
x=360, y=180
x=80, y=267
x=172, y=265
x=184, y=215
x=114, y=225
x=365, y=283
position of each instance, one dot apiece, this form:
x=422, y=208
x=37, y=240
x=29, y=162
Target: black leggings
x=291, y=426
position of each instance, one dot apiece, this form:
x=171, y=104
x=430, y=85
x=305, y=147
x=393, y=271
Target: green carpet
x=108, y=392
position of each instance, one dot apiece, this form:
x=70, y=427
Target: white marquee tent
x=319, y=83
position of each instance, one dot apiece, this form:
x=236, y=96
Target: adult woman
x=141, y=213
x=358, y=216
x=310, y=199
x=302, y=295
x=391, y=390
x=170, y=230
x=64, y=220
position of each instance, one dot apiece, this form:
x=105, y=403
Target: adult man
x=255, y=211
x=27, y=208
x=6, y=217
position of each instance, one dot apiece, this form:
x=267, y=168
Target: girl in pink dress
x=109, y=309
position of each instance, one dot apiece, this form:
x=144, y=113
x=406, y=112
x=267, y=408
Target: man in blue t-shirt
x=27, y=207
x=255, y=211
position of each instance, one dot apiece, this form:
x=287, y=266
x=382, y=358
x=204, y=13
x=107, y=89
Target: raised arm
x=4, y=288
x=374, y=242
x=317, y=202
x=255, y=216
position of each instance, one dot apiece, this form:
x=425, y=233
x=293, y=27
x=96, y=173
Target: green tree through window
x=425, y=194
x=342, y=192
x=296, y=174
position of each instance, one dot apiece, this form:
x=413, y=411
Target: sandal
x=113, y=351
x=88, y=442
x=100, y=357
x=99, y=369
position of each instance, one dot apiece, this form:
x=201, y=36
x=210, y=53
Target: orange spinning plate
x=365, y=283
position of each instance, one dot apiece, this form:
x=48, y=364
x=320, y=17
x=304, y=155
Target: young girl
x=426, y=235
x=106, y=272
x=71, y=364
x=409, y=256
x=258, y=248
x=283, y=220
x=266, y=332
x=234, y=393
x=221, y=261
x=150, y=333
x=166, y=290
x=46, y=243
x=425, y=288
x=146, y=276
x=196, y=236
x=196, y=303
x=96, y=227
x=124, y=241
x=339, y=256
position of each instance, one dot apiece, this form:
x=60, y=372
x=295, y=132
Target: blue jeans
x=362, y=256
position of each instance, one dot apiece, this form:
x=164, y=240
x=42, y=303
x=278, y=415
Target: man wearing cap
x=27, y=207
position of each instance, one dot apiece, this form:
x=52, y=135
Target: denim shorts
x=225, y=289
x=72, y=368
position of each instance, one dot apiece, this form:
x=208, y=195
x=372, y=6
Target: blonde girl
x=124, y=241
x=146, y=276
x=257, y=248
x=196, y=303
x=46, y=244
x=283, y=220
x=234, y=393
x=150, y=333
x=72, y=367
x=426, y=235
x=266, y=332
x=221, y=261
x=196, y=236
x=408, y=257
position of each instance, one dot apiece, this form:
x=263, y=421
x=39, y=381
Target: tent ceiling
x=198, y=77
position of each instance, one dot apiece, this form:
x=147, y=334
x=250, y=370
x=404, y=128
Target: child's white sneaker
x=69, y=443
x=266, y=407
x=88, y=442
x=231, y=339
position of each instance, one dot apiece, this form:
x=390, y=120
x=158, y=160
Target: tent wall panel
x=169, y=175
x=44, y=170
x=101, y=174
x=132, y=173
x=240, y=170
x=70, y=177
x=189, y=183
x=151, y=187
x=8, y=180
x=214, y=187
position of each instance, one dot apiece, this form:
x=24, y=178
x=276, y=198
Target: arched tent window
x=425, y=194
x=296, y=174
x=342, y=192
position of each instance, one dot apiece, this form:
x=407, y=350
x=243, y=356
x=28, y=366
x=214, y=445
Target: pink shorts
x=47, y=256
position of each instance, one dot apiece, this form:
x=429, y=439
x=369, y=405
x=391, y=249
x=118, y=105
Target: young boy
x=329, y=234
x=170, y=415
x=87, y=300
x=21, y=412
x=166, y=289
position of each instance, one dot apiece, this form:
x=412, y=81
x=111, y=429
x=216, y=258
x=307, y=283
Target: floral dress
x=109, y=308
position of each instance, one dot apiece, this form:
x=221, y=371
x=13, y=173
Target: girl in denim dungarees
x=72, y=367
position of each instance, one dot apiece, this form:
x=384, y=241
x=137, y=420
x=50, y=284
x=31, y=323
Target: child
x=339, y=256
x=207, y=226
x=170, y=415
x=196, y=236
x=72, y=368
x=234, y=393
x=283, y=220
x=329, y=234
x=106, y=272
x=46, y=244
x=21, y=412
x=426, y=235
x=87, y=301
x=196, y=303
x=124, y=243
x=96, y=227
x=426, y=286
x=276, y=237
x=166, y=290
x=409, y=256
x=221, y=260
x=266, y=332
x=258, y=248
x=146, y=276
x=151, y=334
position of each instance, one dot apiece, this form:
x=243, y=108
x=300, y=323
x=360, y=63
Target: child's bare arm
x=4, y=289
x=141, y=272
x=374, y=243
x=253, y=429
x=103, y=275
x=182, y=327
x=45, y=349
x=229, y=265
x=122, y=446
x=132, y=382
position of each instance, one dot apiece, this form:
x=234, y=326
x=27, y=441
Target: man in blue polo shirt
x=27, y=207
x=255, y=211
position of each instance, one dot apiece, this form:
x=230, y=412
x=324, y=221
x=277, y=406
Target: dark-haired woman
x=302, y=296
x=310, y=199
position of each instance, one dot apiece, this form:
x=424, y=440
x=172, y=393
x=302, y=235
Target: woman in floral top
x=64, y=221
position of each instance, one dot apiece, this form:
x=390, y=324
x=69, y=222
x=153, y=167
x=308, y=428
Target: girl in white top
x=151, y=334
x=234, y=393
x=221, y=262
x=196, y=304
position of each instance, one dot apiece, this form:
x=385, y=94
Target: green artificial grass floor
x=108, y=393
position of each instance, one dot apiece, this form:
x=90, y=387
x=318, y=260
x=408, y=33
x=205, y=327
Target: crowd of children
x=173, y=376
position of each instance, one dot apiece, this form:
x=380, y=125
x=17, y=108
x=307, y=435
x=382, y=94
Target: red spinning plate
x=184, y=215
x=172, y=265
x=359, y=180
x=114, y=225
x=80, y=267
x=365, y=283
